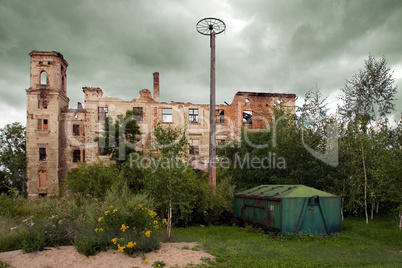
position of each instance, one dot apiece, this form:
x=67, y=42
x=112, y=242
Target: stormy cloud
x=268, y=46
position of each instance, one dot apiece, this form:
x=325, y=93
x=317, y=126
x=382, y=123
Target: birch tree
x=367, y=99
x=166, y=181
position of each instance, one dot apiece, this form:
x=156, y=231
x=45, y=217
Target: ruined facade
x=58, y=138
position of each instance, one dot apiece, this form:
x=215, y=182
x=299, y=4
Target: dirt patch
x=173, y=254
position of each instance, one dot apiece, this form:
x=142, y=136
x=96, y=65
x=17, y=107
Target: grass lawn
x=378, y=244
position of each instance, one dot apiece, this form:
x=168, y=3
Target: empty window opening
x=43, y=124
x=138, y=115
x=102, y=113
x=247, y=100
x=220, y=116
x=83, y=156
x=220, y=141
x=76, y=130
x=76, y=156
x=43, y=78
x=194, y=147
x=193, y=115
x=42, y=154
x=167, y=115
x=247, y=117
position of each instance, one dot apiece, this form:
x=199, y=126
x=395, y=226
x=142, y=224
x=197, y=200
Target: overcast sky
x=268, y=46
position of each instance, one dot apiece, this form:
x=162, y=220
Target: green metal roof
x=283, y=191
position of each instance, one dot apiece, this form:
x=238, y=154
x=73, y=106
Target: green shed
x=290, y=209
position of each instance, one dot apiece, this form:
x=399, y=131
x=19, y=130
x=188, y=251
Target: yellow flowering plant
x=129, y=229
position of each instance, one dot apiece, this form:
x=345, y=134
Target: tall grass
x=54, y=221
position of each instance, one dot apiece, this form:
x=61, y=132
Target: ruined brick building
x=59, y=137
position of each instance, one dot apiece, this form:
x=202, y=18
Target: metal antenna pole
x=212, y=120
x=212, y=27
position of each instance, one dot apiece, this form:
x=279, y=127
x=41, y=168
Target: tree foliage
x=118, y=139
x=368, y=98
x=12, y=158
x=314, y=110
x=303, y=143
x=370, y=94
x=170, y=141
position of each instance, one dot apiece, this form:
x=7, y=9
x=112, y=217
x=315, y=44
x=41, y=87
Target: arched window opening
x=43, y=78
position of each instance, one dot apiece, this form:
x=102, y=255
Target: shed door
x=255, y=211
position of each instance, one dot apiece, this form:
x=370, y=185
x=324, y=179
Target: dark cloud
x=282, y=46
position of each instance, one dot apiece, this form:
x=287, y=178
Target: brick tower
x=46, y=102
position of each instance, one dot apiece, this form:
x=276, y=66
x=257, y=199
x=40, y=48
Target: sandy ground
x=173, y=254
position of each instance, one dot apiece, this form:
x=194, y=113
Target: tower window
x=102, y=113
x=43, y=78
x=247, y=117
x=138, y=115
x=42, y=154
x=167, y=115
x=43, y=124
x=193, y=115
x=76, y=156
x=76, y=130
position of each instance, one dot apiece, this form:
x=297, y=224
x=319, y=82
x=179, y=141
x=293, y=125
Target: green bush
x=203, y=206
x=89, y=245
x=92, y=179
x=133, y=175
x=32, y=241
x=121, y=195
x=3, y=265
x=10, y=206
x=10, y=240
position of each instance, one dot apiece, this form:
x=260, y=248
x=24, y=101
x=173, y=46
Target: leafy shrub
x=204, y=207
x=89, y=245
x=10, y=240
x=3, y=265
x=133, y=175
x=10, y=206
x=32, y=241
x=92, y=179
x=121, y=195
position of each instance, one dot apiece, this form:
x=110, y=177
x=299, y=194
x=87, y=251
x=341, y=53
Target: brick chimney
x=156, y=86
